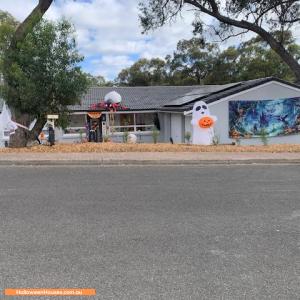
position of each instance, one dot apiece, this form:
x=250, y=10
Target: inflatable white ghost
x=202, y=123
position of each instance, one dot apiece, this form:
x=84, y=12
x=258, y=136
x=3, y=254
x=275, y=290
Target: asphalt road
x=214, y=232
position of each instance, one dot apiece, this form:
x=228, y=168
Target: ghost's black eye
x=198, y=108
x=204, y=106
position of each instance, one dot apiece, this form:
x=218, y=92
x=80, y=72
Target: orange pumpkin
x=206, y=122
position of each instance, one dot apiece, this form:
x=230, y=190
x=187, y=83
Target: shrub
x=264, y=137
x=105, y=138
x=188, y=137
x=125, y=136
x=155, y=135
x=216, y=140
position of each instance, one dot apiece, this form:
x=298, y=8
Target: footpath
x=148, y=158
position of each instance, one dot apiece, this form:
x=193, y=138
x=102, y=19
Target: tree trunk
x=22, y=136
x=19, y=138
x=27, y=25
x=265, y=35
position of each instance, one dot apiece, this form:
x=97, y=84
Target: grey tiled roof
x=169, y=97
x=146, y=98
x=228, y=91
x=199, y=92
x=172, y=98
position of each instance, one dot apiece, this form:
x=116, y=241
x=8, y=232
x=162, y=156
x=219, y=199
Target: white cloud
x=109, y=65
x=109, y=30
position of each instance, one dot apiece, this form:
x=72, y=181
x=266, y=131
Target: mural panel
x=270, y=118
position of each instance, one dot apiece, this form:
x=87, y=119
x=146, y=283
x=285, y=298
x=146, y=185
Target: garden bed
x=119, y=147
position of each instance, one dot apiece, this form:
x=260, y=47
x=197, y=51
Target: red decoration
x=109, y=107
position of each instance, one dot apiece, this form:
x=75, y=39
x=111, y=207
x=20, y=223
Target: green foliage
x=64, y=119
x=193, y=59
x=105, y=138
x=264, y=137
x=155, y=135
x=97, y=81
x=188, y=137
x=195, y=62
x=43, y=74
x=125, y=136
x=231, y=18
x=8, y=25
x=216, y=140
x=144, y=72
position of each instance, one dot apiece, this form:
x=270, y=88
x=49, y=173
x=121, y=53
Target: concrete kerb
x=114, y=162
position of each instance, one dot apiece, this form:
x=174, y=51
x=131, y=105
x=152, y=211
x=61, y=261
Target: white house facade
x=163, y=107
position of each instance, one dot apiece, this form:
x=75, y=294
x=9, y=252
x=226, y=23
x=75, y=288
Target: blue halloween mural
x=269, y=117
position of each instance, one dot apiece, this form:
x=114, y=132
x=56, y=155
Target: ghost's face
x=200, y=109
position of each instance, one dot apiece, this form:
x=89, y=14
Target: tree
x=97, y=81
x=257, y=59
x=193, y=60
x=250, y=60
x=235, y=17
x=44, y=76
x=8, y=25
x=226, y=67
x=28, y=24
x=144, y=72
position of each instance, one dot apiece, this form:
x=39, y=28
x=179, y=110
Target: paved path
x=148, y=158
x=155, y=232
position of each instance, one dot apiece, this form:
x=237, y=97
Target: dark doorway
x=94, y=121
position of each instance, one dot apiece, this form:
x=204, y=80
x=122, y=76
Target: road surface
x=150, y=232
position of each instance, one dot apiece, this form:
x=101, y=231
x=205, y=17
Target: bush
x=216, y=140
x=188, y=137
x=125, y=136
x=264, y=137
x=105, y=138
x=155, y=135
x=238, y=141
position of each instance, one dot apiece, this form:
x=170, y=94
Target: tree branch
x=274, y=44
x=26, y=26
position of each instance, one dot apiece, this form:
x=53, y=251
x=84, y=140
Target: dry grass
x=118, y=147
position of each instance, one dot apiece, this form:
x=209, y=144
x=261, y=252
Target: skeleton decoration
x=111, y=103
x=202, y=123
x=132, y=138
x=113, y=98
x=6, y=124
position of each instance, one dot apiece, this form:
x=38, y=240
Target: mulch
x=121, y=147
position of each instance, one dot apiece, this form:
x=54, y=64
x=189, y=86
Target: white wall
x=187, y=124
x=270, y=91
x=177, y=127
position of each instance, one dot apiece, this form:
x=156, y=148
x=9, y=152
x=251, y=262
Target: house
x=245, y=110
x=144, y=106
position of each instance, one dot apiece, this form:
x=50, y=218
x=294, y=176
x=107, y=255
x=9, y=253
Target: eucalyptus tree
x=234, y=17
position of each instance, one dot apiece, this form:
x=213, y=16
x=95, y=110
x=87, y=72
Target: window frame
x=135, y=127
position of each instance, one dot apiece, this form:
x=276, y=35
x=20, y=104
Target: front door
x=94, y=121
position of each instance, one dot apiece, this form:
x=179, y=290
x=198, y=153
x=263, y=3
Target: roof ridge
x=158, y=86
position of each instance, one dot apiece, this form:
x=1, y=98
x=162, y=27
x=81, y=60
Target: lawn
x=121, y=147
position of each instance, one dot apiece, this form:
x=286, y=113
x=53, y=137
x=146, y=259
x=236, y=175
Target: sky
x=108, y=31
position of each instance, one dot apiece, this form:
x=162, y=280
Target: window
x=76, y=125
x=144, y=122
x=138, y=122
